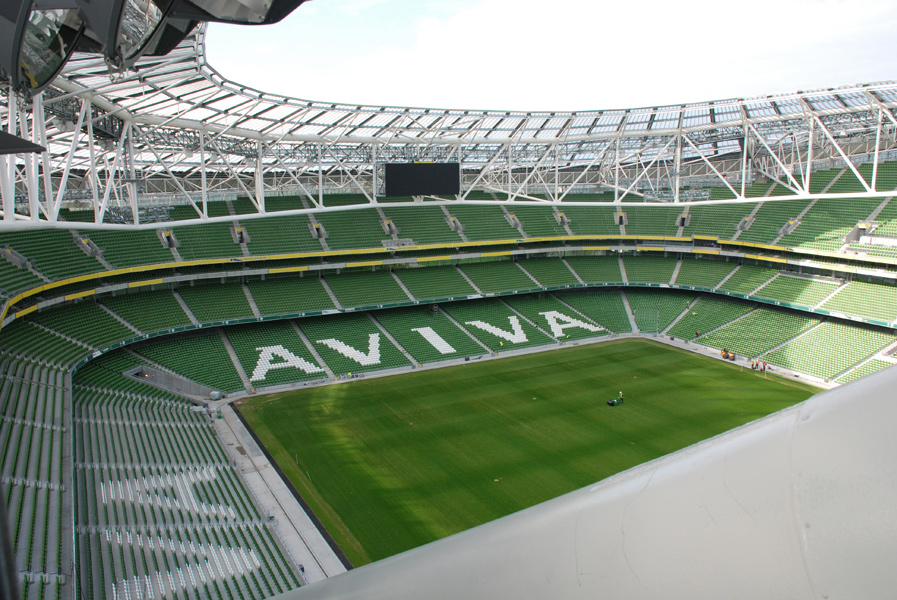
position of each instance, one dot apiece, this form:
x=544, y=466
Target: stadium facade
x=167, y=185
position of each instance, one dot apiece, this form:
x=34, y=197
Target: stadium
x=249, y=343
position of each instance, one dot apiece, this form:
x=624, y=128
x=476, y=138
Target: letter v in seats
x=515, y=336
x=371, y=358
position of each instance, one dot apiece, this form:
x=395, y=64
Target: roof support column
x=111, y=173
x=67, y=169
x=597, y=158
x=8, y=162
x=202, y=173
x=174, y=179
x=744, y=161
x=875, y=156
x=293, y=175
x=510, y=169
x=320, y=174
x=92, y=172
x=40, y=130
x=678, y=164
x=617, y=171
x=29, y=133
x=483, y=172
x=6, y=192
x=797, y=187
x=132, y=178
x=837, y=146
x=809, y=154
x=557, y=190
x=259, y=178
x=374, y=174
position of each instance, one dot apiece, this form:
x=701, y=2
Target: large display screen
x=423, y=179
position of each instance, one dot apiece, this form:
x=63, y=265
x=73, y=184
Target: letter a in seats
x=265, y=362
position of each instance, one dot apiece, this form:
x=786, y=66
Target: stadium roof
x=183, y=89
x=173, y=130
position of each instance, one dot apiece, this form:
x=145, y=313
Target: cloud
x=356, y=7
x=571, y=54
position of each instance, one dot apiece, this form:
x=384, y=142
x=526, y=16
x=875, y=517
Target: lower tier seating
x=799, y=291
x=352, y=343
x=200, y=356
x=556, y=318
x=864, y=299
x=156, y=493
x=758, y=332
x=829, y=349
x=32, y=445
x=654, y=310
x=605, y=308
x=868, y=367
x=428, y=334
x=273, y=353
x=707, y=314
x=496, y=325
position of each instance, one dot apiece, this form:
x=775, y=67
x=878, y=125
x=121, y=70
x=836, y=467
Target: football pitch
x=392, y=463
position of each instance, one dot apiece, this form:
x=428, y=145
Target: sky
x=538, y=55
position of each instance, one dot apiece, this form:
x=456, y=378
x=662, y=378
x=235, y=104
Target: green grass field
x=389, y=464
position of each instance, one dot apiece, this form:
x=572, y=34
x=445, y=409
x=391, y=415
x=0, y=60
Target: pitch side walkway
x=743, y=362
x=298, y=533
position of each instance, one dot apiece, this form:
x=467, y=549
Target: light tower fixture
x=37, y=37
x=123, y=28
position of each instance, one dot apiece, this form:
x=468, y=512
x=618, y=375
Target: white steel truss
x=174, y=131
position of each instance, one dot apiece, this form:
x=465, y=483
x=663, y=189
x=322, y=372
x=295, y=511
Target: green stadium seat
x=430, y=283
x=213, y=302
x=427, y=334
x=496, y=325
x=605, y=308
x=371, y=288
x=501, y=276
x=352, y=343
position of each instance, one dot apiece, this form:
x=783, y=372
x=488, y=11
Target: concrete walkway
x=298, y=533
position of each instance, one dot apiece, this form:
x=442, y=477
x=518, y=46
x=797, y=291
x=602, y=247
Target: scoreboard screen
x=423, y=179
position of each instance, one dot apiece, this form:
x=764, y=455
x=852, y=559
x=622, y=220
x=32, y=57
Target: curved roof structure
x=185, y=90
x=163, y=131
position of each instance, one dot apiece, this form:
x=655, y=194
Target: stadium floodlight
x=122, y=28
x=245, y=12
x=36, y=38
x=126, y=29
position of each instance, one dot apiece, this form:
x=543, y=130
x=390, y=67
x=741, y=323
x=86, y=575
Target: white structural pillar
x=799, y=504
